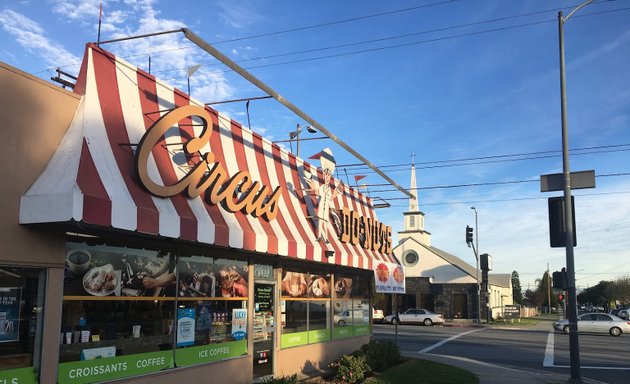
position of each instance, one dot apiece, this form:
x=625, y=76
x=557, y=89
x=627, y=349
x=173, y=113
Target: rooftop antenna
x=100, y=18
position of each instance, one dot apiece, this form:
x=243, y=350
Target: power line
x=500, y=200
x=360, y=168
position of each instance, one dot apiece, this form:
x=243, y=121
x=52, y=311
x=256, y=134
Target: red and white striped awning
x=91, y=178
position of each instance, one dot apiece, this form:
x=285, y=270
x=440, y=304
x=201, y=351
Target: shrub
x=381, y=355
x=282, y=380
x=351, y=368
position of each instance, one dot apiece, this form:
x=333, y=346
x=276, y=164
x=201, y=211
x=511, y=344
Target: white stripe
x=432, y=347
x=283, y=205
x=250, y=156
x=549, y=352
x=127, y=79
x=235, y=233
x=297, y=207
x=231, y=165
x=124, y=211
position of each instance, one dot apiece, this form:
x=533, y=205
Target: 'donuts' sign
x=364, y=231
x=207, y=177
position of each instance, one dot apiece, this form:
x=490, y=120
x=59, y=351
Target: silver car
x=596, y=323
x=418, y=316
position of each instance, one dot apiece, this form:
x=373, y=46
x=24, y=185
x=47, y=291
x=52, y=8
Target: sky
x=469, y=90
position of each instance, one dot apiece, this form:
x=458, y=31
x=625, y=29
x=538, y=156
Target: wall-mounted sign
x=389, y=277
x=206, y=177
x=9, y=314
x=364, y=231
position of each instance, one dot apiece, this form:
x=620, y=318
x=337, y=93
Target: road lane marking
x=432, y=347
x=549, y=362
x=549, y=351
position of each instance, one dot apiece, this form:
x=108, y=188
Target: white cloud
x=32, y=37
x=77, y=10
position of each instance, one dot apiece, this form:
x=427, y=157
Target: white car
x=596, y=323
x=417, y=316
x=377, y=315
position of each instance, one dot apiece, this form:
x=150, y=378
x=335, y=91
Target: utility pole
x=574, y=345
x=548, y=288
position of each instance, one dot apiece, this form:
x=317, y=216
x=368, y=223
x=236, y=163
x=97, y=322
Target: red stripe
x=298, y=188
x=108, y=93
x=241, y=160
x=149, y=102
x=261, y=157
x=306, y=237
x=249, y=236
x=97, y=206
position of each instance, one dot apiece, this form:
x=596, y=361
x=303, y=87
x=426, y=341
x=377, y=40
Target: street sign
x=555, y=181
x=511, y=311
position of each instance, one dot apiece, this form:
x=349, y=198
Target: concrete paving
x=495, y=374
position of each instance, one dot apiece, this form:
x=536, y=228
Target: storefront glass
x=21, y=312
x=212, y=310
x=130, y=311
x=311, y=302
x=351, y=303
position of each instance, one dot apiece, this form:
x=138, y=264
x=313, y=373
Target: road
x=534, y=348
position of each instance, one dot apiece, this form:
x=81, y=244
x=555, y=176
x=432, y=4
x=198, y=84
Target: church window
x=410, y=258
x=412, y=221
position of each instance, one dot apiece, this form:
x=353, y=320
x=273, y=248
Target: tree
x=517, y=291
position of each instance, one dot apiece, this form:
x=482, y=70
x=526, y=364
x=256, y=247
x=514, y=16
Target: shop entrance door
x=264, y=328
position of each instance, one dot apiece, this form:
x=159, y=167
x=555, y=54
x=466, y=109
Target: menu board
x=263, y=297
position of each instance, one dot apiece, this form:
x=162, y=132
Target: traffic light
x=561, y=297
x=559, y=279
x=469, y=235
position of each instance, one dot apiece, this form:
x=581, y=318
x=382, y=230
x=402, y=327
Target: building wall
x=319, y=356
x=431, y=265
x=34, y=116
x=500, y=296
x=443, y=297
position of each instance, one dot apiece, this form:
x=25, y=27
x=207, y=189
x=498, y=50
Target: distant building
x=439, y=281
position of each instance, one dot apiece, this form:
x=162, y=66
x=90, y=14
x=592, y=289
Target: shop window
x=305, y=308
x=21, y=313
x=212, y=310
x=126, y=310
x=351, y=306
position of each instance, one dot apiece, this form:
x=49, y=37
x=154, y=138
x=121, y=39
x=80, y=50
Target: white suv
x=377, y=315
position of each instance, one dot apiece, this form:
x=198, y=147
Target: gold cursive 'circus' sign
x=207, y=177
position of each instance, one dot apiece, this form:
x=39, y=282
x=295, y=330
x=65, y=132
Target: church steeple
x=413, y=202
x=414, y=218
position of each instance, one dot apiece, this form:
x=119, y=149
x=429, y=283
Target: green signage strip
x=360, y=330
x=342, y=332
x=318, y=335
x=18, y=376
x=89, y=371
x=208, y=353
x=294, y=339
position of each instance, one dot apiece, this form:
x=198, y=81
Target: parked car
x=596, y=323
x=377, y=315
x=418, y=316
x=348, y=317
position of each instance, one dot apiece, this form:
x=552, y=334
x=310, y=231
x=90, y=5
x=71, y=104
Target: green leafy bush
x=381, y=355
x=282, y=380
x=351, y=368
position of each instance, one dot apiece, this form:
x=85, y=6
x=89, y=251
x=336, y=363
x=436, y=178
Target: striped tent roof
x=91, y=177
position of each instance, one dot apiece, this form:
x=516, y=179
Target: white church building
x=439, y=281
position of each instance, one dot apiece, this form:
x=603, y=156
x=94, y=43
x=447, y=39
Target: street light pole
x=574, y=346
x=477, y=252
